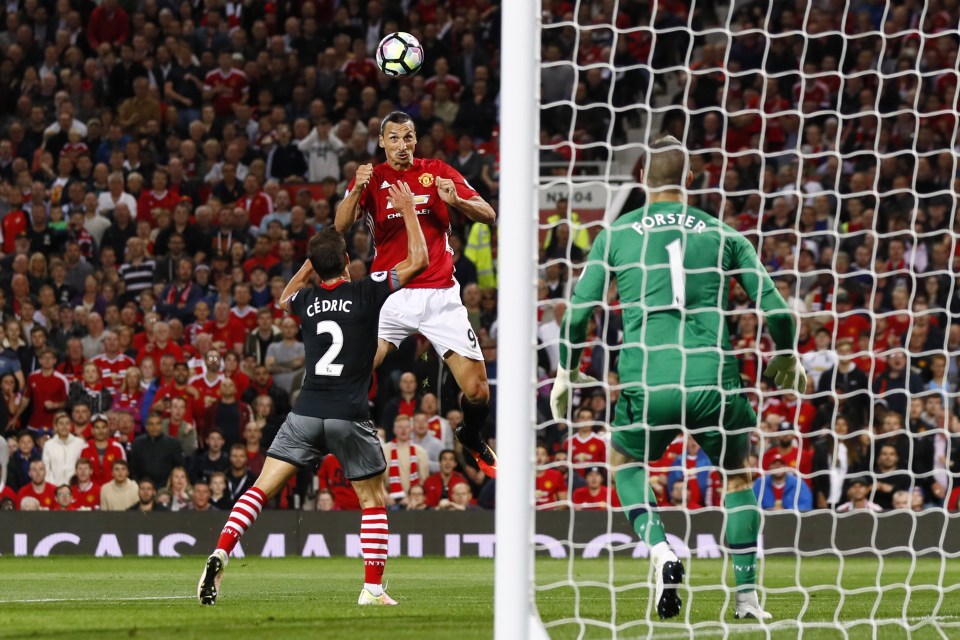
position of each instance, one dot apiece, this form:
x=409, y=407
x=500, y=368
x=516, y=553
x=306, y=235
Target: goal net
x=824, y=132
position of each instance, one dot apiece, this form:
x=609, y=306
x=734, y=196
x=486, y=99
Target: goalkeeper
x=672, y=264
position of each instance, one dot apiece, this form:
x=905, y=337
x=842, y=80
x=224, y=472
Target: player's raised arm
x=476, y=208
x=348, y=208
x=299, y=280
x=417, y=258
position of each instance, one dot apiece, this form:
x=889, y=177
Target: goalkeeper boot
x=209, y=586
x=367, y=598
x=473, y=442
x=669, y=577
x=748, y=606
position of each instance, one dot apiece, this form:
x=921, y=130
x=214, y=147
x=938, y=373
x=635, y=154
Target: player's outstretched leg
x=242, y=516
x=374, y=536
x=275, y=474
x=475, y=406
x=638, y=497
x=743, y=530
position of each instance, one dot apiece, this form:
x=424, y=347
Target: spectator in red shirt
x=439, y=485
x=551, y=487
x=178, y=387
x=225, y=85
x=109, y=23
x=39, y=488
x=86, y=492
x=159, y=197
x=47, y=391
x=102, y=451
x=161, y=345
x=64, y=499
x=228, y=332
x=262, y=257
x=585, y=448
x=332, y=479
x=255, y=201
x=593, y=496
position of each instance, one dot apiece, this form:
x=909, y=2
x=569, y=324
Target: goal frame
x=515, y=614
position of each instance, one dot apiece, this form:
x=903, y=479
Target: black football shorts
x=303, y=441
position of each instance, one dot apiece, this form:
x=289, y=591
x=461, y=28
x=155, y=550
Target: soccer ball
x=399, y=54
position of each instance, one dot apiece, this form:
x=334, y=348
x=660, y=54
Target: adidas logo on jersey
x=384, y=185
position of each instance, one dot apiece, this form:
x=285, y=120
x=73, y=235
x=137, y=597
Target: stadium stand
x=163, y=165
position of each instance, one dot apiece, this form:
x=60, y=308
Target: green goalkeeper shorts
x=648, y=420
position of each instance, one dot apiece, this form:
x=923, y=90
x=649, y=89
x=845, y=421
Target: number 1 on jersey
x=324, y=366
x=675, y=254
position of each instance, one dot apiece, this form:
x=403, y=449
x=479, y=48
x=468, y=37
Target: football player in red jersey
x=431, y=303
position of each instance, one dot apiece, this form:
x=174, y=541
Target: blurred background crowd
x=163, y=165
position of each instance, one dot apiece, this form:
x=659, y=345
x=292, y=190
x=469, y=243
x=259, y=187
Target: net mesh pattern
x=826, y=133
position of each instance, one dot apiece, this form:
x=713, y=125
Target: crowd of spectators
x=163, y=165
x=828, y=139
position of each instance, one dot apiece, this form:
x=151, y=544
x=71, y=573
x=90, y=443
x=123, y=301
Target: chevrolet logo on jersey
x=417, y=200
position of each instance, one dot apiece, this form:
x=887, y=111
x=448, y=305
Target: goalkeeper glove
x=787, y=372
x=560, y=395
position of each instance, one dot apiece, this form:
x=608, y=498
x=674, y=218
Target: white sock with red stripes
x=242, y=517
x=373, y=542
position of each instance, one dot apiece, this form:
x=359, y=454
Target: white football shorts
x=437, y=314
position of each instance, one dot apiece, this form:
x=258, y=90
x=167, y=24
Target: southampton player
x=431, y=303
x=672, y=265
x=339, y=322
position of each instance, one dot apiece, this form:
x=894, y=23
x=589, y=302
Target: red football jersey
x=433, y=487
x=86, y=499
x=40, y=389
x=236, y=80
x=191, y=330
x=588, y=502
x=103, y=467
x=247, y=317
x=549, y=485
x=112, y=370
x=150, y=200
x=12, y=225
x=207, y=390
x=229, y=334
x=155, y=352
x=386, y=223
x=586, y=451
x=47, y=497
x=257, y=207
x=332, y=479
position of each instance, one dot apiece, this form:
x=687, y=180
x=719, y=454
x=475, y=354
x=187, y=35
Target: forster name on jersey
x=668, y=220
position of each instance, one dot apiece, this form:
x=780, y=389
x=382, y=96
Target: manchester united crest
x=426, y=179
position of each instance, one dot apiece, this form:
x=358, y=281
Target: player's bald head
x=666, y=164
x=327, y=252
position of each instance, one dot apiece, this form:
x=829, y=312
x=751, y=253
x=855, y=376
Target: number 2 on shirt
x=675, y=254
x=324, y=366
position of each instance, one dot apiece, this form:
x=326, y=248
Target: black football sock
x=474, y=417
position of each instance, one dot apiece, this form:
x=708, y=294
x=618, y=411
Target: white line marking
x=92, y=599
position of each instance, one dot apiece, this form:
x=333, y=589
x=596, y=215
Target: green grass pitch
x=271, y=599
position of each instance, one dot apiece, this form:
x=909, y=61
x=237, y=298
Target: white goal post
x=514, y=608
x=930, y=539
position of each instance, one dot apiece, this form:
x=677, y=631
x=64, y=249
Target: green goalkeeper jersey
x=672, y=264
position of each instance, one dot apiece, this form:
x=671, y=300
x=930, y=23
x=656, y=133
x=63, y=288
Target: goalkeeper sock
x=242, y=517
x=743, y=528
x=474, y=415
x=373, y=542
x=638, y=497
